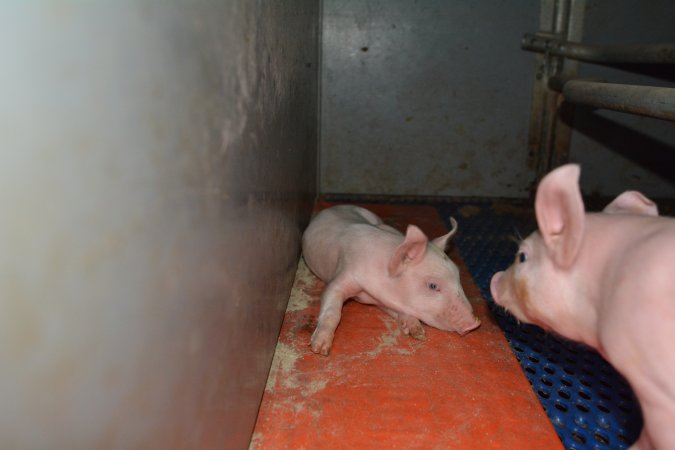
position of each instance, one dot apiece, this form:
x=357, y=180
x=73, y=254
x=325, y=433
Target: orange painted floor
x=382, y=389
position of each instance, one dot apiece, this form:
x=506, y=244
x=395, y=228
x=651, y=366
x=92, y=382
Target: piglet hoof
x=417, y=332
x=321, y=343
x=413, y=328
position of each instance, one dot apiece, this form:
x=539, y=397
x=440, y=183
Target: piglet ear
x=560, y=214
x=411, y=251
x=632, y=202
x=442, y=241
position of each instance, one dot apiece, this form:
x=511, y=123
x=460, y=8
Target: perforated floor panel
x=589, y=403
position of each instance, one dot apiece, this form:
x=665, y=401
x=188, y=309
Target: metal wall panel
x=426, y=97
x=619, y=151
x=156, y=167
x=432, y=98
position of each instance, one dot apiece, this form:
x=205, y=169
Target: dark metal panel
x=620, y=151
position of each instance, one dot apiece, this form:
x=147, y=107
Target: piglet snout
x=462, y=320
x=469, y=327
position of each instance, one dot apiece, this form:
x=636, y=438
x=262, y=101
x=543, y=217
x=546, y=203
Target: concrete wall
x=157, y=163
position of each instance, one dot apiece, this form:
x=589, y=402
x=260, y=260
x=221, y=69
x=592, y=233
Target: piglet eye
x=433, y=286
x=522, y=257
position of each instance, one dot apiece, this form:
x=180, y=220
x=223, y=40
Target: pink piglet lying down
x=408, y=276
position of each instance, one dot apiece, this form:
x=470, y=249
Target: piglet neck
x=580, y=321
x=592, y=276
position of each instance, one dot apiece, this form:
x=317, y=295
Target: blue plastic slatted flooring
x=589, y=403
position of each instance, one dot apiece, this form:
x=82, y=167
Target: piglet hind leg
x=329, y=317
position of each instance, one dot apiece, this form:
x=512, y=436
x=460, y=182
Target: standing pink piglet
x=605, y=279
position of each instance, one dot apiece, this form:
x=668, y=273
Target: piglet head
x=536, y=288
x=428, y=282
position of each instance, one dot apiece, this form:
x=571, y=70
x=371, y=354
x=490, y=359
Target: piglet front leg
x=411, y=326
x=332, y=300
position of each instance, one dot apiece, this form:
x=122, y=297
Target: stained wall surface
x=433, y=98
x=426, y=98
x=157, y=165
